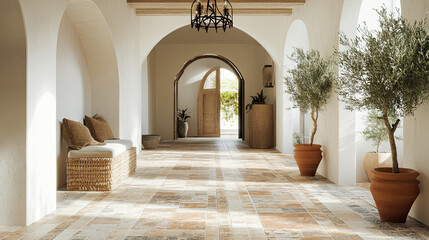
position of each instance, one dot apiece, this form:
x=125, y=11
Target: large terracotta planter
x=374, y=160
x=394, y=193
x=308, y=158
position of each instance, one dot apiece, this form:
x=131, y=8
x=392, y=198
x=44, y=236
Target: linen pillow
x=99, y=128
x=77, y=135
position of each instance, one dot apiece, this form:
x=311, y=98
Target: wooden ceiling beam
x=238, y=11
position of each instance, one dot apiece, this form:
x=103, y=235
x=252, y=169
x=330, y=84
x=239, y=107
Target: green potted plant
x=375, y=132
x=182, y=124
x=387, y=70
x=258, y=99
x=310, y=85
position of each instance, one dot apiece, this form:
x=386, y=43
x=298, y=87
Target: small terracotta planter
x=394, y=193
x=308, y=158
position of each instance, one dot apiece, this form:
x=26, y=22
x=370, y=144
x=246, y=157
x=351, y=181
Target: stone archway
x=229, y=63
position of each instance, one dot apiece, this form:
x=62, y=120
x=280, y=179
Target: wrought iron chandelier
x=210, y=15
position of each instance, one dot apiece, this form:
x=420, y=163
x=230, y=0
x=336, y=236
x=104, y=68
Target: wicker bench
x=100, y=168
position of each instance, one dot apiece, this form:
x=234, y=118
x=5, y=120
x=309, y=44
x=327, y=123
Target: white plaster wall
x=42, y=19
x=124, y=26
x=13, y=115
x=416, y=129
x=97, y=44
x=297, y=37
x=353, y=147
x=73, y=87
x=244, y=56
x=322, y=19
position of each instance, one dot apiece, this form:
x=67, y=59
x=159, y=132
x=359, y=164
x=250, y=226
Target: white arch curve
x=293, y=121
x=101, y=58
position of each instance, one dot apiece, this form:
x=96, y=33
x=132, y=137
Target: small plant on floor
x=310, y=83
x=258, y=99
x=183, y=115
x=182, y=124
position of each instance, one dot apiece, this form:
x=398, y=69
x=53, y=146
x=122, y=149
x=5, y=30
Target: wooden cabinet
x=261, y=126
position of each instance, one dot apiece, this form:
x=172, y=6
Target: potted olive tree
x=387, y=70
x=182, y=124
x=310, y=85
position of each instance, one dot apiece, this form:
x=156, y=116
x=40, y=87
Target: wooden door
x=209, y=105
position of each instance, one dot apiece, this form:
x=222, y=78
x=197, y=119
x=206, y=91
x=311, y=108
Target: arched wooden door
x=209, y=104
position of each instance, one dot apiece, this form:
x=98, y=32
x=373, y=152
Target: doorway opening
x=229, y=106
x=210, y=96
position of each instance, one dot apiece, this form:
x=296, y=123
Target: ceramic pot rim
x=307, y=145
x=388, y=171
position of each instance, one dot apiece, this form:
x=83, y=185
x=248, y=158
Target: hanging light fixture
x=210, y=15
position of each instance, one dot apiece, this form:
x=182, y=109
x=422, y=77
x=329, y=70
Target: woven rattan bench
x=100, y=173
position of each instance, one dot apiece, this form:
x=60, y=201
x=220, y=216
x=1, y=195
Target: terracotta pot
x=308, y=158
x=182, y=129
x=374, y=160
x=394, y=193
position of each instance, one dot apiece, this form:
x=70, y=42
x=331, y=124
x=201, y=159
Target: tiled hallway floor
x=217, y=189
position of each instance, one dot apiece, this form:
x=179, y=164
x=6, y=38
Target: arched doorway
x=241, y=131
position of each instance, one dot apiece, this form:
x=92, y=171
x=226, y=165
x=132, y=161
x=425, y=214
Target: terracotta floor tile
x=195, y=189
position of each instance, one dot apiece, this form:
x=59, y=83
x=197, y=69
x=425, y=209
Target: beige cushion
x=76, y=135
x=127, y=143
x=106, y=151
x=99, y=128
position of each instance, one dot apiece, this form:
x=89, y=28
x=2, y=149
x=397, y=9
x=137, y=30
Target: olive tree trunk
x=314, y=117
x=391, y=129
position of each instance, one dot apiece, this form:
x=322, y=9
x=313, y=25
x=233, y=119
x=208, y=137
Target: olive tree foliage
x=386, y=70
x=310, y=83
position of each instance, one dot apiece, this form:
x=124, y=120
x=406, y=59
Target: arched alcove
x=352, y=146
x=13, y=64
x=162, y=66
x=87, y=71
x=293, y=120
